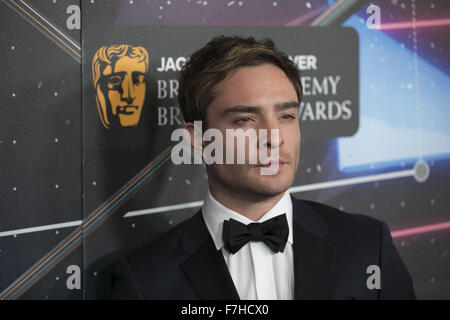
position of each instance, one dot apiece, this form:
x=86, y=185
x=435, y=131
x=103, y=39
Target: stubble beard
x=241, y=184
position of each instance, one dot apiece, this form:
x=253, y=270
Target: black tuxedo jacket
x=332, y=251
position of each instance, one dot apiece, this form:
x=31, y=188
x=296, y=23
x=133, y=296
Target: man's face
x=122, y=92
x=257, y=97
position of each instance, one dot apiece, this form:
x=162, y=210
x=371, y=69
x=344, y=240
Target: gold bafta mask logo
x=119, y=75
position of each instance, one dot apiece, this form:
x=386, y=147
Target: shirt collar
x=214, y=213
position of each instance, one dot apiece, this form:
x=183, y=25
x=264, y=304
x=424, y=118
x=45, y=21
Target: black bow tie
x=273, y=232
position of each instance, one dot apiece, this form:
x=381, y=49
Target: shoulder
x=165, y=247
x=359, y=241
x=151, y=269
x=345, y=225
x=332, y=214
x=156, y=257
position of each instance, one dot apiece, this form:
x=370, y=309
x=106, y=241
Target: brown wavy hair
x=214, y=62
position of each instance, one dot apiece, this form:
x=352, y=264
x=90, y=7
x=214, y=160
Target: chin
x=250, y=181
x=270, y=191
x=272, y=185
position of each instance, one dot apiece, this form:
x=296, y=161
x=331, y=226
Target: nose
x=273, y=137
x=128, y=94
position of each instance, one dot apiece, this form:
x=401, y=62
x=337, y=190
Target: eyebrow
x=121, y=73
x=257, y=109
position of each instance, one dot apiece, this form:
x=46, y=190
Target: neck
x=251, y=206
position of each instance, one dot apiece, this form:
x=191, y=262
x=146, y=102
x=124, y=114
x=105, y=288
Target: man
x=251, y=239
x=119, y=79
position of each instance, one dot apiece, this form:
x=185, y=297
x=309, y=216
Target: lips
x=273, y=164
x=127, y=109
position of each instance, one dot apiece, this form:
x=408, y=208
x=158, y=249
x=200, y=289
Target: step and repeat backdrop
x=85, y=176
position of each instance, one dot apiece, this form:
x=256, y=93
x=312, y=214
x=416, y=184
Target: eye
x=243, y=120
x=288, y=116
x=114, y=80
x=139, y=79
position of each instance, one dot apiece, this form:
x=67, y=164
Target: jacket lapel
x=313, y=250
x=205, y=269
x=313, y=253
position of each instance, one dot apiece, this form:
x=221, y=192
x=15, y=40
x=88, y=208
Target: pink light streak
x=302, y=19
x=418, y=24
x=421, y=229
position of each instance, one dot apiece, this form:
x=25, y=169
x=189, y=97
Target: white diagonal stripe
x=54, y=28
x=196, y=204
x=351, y=181
x=302, y=188
x=180, y=206
x=41, y=228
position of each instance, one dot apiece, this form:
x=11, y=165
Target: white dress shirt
x=257, y=272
